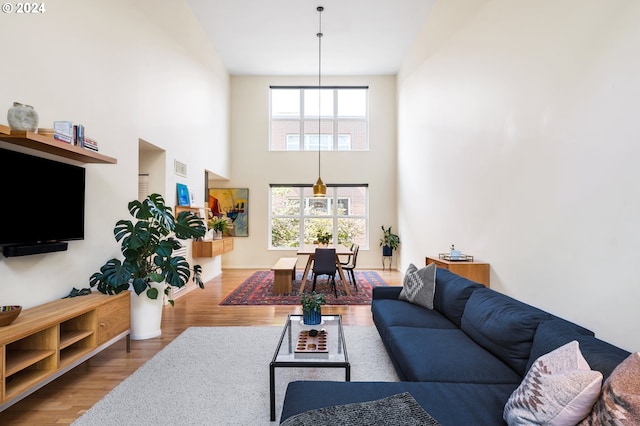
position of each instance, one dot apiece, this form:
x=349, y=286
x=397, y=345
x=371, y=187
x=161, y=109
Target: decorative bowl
x=8, y=314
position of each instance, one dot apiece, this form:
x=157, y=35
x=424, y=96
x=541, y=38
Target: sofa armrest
x=386, y=292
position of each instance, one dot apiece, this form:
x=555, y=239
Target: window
x=344, y=119
x=297, y=217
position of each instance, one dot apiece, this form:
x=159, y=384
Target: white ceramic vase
x=22, y=117
x=146, y=314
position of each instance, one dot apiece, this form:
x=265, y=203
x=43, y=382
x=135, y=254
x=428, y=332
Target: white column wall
x=126, y=70
x=518, y=142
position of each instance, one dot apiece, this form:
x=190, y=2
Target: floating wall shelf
x=52, y=146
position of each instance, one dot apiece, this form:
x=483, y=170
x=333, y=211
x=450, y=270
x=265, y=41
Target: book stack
x=89, y=143
x=73, y=134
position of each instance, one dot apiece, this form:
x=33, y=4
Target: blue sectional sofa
x=462, y=360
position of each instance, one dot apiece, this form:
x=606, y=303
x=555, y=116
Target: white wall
x=126, y=70
x=518, y=141
x=254, y=167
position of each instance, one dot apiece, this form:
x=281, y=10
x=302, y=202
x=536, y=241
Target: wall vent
x=179, y=168
x=143, y=186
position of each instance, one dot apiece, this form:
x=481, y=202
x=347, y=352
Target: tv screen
x=41, y=200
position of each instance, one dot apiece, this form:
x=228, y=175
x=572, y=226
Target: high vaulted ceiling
x=278, y=37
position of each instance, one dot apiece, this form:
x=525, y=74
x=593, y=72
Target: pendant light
x=319, y=189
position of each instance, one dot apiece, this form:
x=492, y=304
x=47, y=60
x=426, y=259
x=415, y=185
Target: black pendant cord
x=320, y=9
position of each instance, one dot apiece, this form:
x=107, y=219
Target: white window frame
x=338, y=141
x=332, y=201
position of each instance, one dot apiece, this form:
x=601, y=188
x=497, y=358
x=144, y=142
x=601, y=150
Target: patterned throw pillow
x=559, y=389
x=619, y=402
x=419, y=285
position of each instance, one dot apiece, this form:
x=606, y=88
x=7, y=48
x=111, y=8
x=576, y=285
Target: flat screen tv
x=41, y=203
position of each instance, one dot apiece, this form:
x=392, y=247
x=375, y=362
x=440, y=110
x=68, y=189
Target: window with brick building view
x=297, y=217
x=344, y=119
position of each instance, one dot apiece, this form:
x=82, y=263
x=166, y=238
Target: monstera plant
x=147, y=246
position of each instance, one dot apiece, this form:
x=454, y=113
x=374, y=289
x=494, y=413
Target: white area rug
x=220, y=376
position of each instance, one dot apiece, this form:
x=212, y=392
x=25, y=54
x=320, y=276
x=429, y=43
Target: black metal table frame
x=299, y=364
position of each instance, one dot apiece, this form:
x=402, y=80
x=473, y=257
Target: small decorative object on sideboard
x=22, y=117
x=219, y=225
x=8, y=314
x=455, y=255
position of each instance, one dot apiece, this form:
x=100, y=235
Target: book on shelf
x=63, y=138
x=89, y=143
x=64, y=131
x=78, y=134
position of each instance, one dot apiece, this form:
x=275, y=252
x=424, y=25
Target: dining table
x=310, y=250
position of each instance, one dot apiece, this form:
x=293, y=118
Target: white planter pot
x=217, y=235
x=146, y=314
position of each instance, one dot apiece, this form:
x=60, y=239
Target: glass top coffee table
x=312, y=346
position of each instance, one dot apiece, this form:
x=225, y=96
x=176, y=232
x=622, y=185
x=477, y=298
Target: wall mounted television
x=41, y=204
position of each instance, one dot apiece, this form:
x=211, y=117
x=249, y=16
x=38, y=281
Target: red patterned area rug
x=258, y=290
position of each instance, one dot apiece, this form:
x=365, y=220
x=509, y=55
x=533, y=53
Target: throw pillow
x=419, y=285
x=619, y=401
x=401, y=409
x=559, y=389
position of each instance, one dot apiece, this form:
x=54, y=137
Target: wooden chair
x=324, y=263
x=351, y=265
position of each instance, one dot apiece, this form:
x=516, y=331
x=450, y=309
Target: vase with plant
x=311, y=307
x=219, y=225
x=149, y=265
x=389, y=241
x=324, y=237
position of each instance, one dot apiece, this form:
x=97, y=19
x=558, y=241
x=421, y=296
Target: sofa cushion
x=418, y=285
x=600, y=355
x=448, y=403
x=502, y=325
x=388, y=313
x=619, y=401
x=559, y=389
x=444, y=355
x=451, y=294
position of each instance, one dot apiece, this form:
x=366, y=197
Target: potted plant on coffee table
x=149, y=267
x=311, y=307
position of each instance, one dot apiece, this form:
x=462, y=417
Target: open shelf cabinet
x=46, y=341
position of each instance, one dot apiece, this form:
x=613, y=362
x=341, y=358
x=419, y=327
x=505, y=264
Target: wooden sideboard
x=46, y=341
x=473, y=270
x=212, y=248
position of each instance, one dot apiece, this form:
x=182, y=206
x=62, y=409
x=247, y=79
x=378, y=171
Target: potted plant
x=149, y=265
x=389, y=241
x=311, y=307
x=219, y=225
x=323, y=237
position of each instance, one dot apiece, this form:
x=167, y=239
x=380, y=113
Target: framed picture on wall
x=183, y=194
x=231, y=203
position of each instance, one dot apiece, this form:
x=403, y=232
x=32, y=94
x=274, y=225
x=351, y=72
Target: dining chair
x=349, y=256
x=324, y=263
x=349, y=267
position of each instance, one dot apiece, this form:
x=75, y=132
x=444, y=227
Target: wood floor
x=66, y=398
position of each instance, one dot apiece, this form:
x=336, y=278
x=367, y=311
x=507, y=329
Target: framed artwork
x=183, y=195
x=232, y=203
